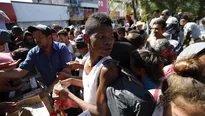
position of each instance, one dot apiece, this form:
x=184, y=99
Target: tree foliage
x=193, y=6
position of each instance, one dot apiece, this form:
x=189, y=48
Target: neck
x=94, y=58
x=49, y=48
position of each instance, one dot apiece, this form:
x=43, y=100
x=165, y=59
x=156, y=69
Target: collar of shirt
x=54, y=46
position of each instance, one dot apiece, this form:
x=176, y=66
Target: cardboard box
x=33, y=106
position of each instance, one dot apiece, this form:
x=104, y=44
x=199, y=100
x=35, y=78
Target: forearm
x=101, y=102
x=76, y=82
x=84, y=105
x=13, y=74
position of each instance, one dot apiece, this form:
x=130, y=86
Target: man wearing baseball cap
x=48, y=57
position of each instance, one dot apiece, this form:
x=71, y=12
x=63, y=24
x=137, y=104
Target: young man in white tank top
x=99, y=38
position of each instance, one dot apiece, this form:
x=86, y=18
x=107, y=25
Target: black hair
x=121, y=52
x=95, y=21
x=150, y=62
x=160, y=22
x=185, y=17
x=115, y=35
x=157, y=11
x=136, y=40
x=20, y=53
x=121, y=30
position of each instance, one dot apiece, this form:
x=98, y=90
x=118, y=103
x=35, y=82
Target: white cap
x=172, y=20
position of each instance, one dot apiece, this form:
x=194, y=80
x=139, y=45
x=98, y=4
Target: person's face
x=165, y=17
x=181, y=107
x=155, y=14
x=41, y=40
x=139, y=27
x=2, y=45
x=157, y=30
x=29, y=39
x=102, y=41
x=182, y=22
x=62, y=38
x=54, y=36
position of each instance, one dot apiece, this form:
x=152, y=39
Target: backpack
x=125, y=97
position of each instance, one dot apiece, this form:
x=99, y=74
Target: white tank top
x=90, y=81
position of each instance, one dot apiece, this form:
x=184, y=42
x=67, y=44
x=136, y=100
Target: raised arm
x=13, y=74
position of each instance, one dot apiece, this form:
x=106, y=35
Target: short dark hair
x=121, y=30
x=185, y=17
x=20, y=53
x=95, y=21
x=160, y=22
x=157, y=11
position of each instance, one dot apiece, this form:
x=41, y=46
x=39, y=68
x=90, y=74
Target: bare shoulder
x=109, y=72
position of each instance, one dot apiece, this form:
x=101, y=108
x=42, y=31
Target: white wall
x=48, y=23
x=29, y=12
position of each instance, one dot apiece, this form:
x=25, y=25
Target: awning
x=8, y=9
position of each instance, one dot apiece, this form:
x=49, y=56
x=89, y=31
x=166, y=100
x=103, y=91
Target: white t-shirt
x=82, y=61
x=193, y=28
x=90, y=81
x=70, y=47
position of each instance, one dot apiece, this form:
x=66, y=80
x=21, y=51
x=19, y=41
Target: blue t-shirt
x=149, y=84
x=47, y=65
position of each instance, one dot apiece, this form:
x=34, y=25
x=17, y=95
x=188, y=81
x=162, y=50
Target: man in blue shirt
x=48, y=57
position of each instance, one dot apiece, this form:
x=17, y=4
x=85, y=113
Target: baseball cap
x=62, y=31
x=45, y=29
x=80, y=42
x=16, y=29
x=161, y=44
x=192, y=49
x=165, y=12
x=5, y=35
x=172, y=20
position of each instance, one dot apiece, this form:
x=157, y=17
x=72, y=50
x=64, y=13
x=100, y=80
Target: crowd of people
x=167, y=61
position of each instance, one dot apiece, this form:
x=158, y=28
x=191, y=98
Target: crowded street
x=102, y=58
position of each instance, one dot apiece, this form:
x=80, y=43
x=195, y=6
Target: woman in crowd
x=183, y=92
x=148, y=66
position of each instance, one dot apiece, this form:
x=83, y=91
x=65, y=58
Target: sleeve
x=65, y=56
x=29, y=62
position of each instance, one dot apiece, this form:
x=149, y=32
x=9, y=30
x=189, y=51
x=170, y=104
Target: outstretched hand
x=9, y=65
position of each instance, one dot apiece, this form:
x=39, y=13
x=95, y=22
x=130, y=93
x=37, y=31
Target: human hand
x=62, y=94
x=63, y=75
x=9, y=65
x=73, y=65
x=66, y=82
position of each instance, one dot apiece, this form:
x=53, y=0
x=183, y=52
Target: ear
x=86, y=38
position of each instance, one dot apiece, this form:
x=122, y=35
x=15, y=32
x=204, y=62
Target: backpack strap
x=106, y=62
